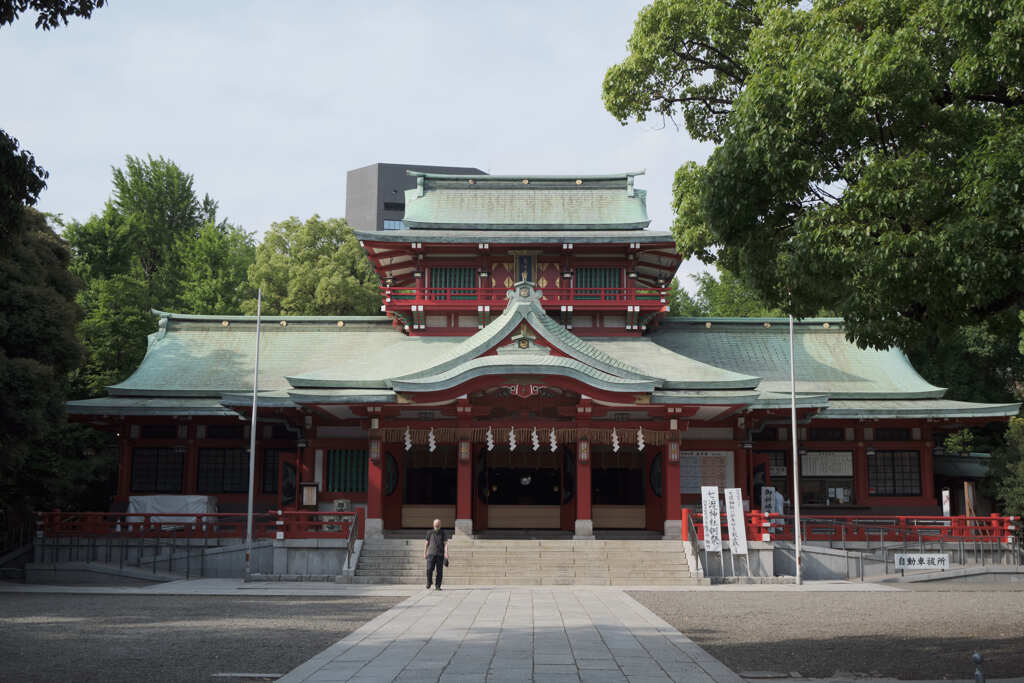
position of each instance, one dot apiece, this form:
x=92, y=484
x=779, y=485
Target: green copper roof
x=915, y=409
x=517, y=237
x=198, y=365
x=525, y=364
x=826, y=362
x=201, y=356
x=677, y=371
x=138, y=405
x=458, y=202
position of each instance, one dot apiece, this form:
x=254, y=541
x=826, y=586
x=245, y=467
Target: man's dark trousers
x=435, y=561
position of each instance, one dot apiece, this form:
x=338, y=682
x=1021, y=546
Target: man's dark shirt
x=436, y=541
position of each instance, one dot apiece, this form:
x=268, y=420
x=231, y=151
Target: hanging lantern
x=490, y=439
x=534, y=439
x=615, y=441
x=640, y=438
x=553, y=440
x=511, y=438
x=431, y=441
x=408, y=439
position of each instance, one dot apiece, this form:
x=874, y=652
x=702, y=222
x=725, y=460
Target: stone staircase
x=503, y=562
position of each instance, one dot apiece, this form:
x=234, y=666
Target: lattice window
x=271, y=462
x=347, y=470
x=158, y=470
x=460, y=279
x=590, y=281
x=222, y=470
x=894, y=473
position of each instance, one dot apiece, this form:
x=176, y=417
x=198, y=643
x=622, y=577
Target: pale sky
x=268, y=104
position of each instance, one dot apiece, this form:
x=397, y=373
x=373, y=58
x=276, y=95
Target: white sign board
x=945, y=503
x=734, y=517
x=827, y=464
x=921, y=561
x=712, y=519
x=768, y=500
x=705, y=468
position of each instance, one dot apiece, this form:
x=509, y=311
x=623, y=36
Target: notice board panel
x=705, y=468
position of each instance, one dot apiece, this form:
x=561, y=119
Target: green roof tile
x=826, y=362
x=525, y=202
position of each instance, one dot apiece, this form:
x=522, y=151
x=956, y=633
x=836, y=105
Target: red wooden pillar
x=464, y=497
x=584, y=523
x=374, y=492
x=673, y=499
x=928, y=473
x=860, y=473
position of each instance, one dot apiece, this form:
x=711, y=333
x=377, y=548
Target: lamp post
x=796, y=474
x=252, y=435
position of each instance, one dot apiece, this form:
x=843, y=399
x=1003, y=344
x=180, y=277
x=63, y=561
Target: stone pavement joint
x=515, y=634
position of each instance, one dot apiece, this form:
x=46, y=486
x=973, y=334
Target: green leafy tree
x=727, y=296
x=41, y=461
x=1006, y=471
x=49, y=13
x=156, y=244
x=978, y=362
x=680, y=302
x=114, y=330
x=214, y=270
x=869, y=155
x=38, y=348
x=313, y=267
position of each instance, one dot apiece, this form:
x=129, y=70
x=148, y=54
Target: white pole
x=796, y=475
x=252, y=434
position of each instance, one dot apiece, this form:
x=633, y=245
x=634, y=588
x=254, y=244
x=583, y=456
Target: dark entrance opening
x=430, y=488
x=524, y=486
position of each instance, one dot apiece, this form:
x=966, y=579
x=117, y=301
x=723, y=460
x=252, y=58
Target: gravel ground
x=152, y=639
x=924, y=633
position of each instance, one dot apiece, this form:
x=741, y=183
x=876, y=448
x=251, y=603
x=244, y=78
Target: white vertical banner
x=712, y=519
x=734, y=518
x=945, y=503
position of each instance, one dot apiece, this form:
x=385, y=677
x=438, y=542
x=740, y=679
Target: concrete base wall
x=313, y=557
x=760, y=555
x=101, y=557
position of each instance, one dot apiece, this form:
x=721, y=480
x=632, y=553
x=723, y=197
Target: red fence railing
x=549, y=295
x=867, y=528
x=280, y=524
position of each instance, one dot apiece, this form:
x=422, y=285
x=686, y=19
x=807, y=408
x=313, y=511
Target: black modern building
x=375, y=194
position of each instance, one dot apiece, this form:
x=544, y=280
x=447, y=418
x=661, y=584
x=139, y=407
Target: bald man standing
x=435, y=552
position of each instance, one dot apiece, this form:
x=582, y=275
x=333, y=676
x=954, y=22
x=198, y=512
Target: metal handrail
x=691, y=539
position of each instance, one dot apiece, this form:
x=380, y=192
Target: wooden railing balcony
x=580, y=298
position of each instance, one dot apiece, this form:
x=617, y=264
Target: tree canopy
x=157, y=244
x=313, y=267
x=49, y=13
x=38, y=348
x=869, y=155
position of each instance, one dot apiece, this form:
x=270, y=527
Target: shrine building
x=524, y=374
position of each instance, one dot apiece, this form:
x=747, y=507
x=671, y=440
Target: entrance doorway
x=522, y=490
x=617, y=489
x=430, y=488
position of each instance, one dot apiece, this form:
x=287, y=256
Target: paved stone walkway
x=514, y=635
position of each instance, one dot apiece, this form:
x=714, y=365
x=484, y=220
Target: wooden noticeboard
x=705, y=468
